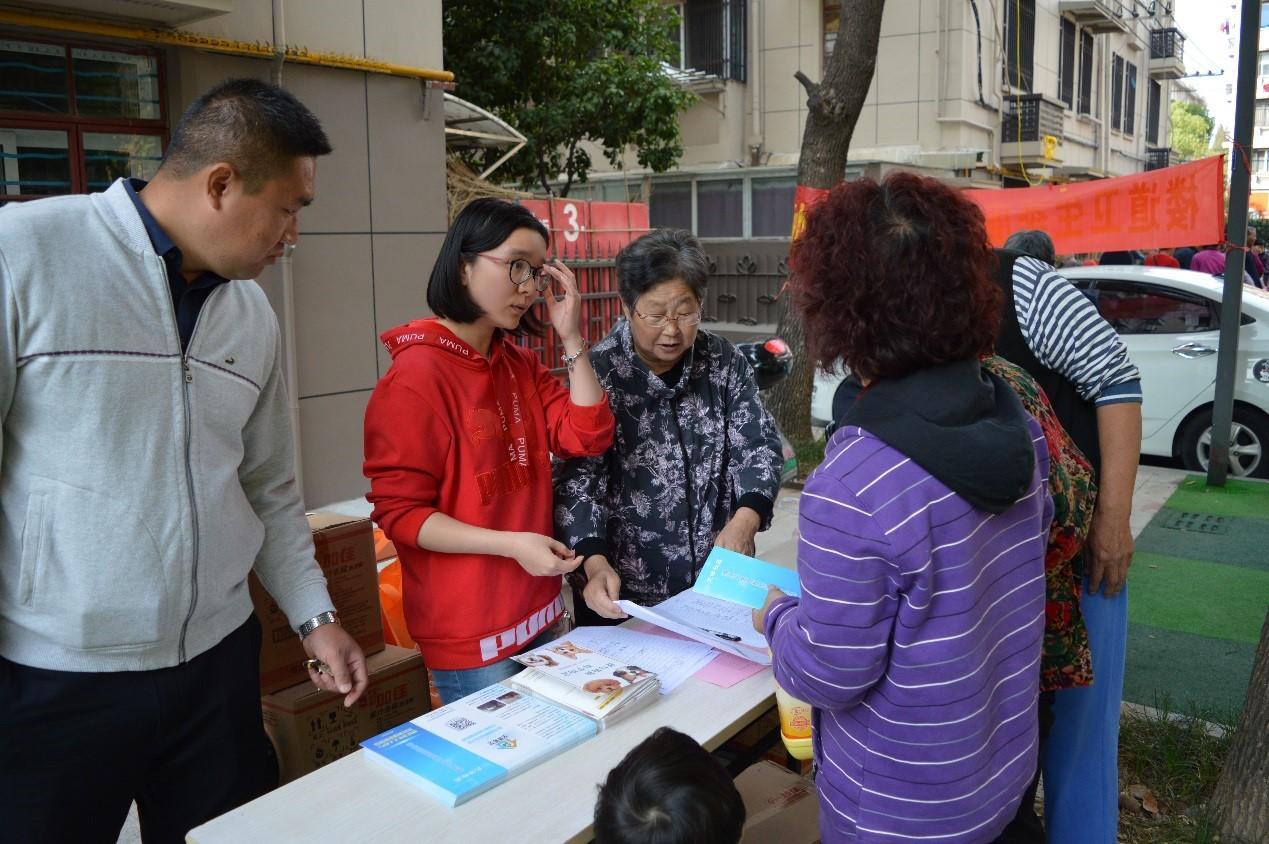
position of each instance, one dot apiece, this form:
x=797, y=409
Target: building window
x=1066, y=64
x=1130, y=97
x=772, y=206
x=737, y=206
x=1264, y=62
x=1116, y=93
x=1264, y=15
x=670, y=206
x=676, y=35
x=714, y=37
x=1262, y=113
x=1019, y=46
x=720, y=208
x=1259, y=160
x=1086, y=73
x=832, y=24
x=74, y=117
x=1152, y=112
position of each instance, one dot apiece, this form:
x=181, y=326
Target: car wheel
x=1249, y=437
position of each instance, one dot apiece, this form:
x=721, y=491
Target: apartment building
x=92, y=88
x=982, y=93
x=1260, y=134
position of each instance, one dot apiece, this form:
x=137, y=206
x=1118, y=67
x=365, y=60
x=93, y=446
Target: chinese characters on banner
x=1174, y=206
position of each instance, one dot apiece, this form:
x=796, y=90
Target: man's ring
x=318, y=666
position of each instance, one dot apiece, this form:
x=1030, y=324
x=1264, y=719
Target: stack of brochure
x=578, y=678
x=460, y=750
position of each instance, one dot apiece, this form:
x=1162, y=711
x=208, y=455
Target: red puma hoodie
x=450, y=431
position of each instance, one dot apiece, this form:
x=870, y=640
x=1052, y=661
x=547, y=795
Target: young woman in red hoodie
x=458, y=439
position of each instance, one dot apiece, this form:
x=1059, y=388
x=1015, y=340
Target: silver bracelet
x=317, y=621
x=569, y=360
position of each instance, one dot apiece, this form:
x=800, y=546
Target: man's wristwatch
x=317, y=621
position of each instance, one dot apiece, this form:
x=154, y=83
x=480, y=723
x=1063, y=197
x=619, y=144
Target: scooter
x=771, y=361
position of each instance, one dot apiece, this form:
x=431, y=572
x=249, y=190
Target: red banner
x=804, y=199
x=1173, y=206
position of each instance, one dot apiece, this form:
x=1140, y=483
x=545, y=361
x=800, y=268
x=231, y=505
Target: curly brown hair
x=895, y=276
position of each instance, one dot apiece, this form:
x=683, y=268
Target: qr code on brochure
x=462, y=723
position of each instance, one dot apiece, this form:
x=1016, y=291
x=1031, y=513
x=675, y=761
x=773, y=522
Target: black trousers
x=186, y=743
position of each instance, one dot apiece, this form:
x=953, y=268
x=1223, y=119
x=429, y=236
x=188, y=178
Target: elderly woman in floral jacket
x=696, y=459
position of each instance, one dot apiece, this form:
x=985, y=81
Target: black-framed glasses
x=662, y=320
x=521, y=271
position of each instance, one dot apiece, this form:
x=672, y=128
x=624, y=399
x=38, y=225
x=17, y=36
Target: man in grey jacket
x=145, y=471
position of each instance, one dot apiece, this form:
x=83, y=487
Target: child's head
x=668, y=790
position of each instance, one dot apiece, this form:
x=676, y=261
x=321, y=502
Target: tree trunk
x=1240, y=803
x=834, y=109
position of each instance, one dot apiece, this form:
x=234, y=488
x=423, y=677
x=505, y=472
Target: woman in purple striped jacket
x=922, y=534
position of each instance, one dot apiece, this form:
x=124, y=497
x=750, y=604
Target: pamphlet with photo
x=584, y=680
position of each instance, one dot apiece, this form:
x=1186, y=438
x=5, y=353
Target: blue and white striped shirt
x=1066, y=333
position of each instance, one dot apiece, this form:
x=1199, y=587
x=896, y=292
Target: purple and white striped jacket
x=917, y=641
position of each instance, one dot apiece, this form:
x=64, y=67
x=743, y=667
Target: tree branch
x=542, y=174
x=568, y=168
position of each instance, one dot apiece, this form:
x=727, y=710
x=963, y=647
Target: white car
x=1170, y=322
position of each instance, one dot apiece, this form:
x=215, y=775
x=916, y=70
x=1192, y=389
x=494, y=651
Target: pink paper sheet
x=725, y=670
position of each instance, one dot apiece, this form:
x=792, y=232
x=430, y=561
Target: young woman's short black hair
x=668, y=790
x=480, y=227
x=659, y=256
x=257, y=127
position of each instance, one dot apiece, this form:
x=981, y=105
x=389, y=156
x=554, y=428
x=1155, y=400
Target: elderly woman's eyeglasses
x=662, y=320
x=521, y=271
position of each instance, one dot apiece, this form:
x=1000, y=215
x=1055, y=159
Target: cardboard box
x=345, y=550
x=311, y=728
x=780, y=806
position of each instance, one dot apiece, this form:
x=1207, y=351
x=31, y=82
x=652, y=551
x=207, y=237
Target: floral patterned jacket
x=1066, y=661
x=683, y=459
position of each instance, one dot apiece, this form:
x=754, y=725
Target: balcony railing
x=1159, y=157
x=1167, y=53
x=715, y=37
x=1167, y=43
x=1096, y=15
x=1029, y=118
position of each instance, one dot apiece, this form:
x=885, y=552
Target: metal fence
x=587, y=236
x=745, y=277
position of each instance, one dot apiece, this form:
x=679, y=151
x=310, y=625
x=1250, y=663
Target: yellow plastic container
x=795, y=724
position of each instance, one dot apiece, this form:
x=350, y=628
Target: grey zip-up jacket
x=138, y=485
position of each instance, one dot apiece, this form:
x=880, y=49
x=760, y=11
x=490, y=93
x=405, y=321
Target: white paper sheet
x=673, y=660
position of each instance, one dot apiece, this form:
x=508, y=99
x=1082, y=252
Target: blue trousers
x=1081, y=760
x=457, y=683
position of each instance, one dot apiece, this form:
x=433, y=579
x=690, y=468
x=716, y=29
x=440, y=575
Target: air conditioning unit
x=165, y=13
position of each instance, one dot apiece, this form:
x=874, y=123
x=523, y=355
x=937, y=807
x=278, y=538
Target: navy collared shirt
x=187, y=297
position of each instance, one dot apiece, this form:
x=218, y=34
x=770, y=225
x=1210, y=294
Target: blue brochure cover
x=461, y=750
x=743, y=580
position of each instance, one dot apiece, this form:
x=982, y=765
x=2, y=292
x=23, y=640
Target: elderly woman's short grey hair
x=1035, y=243
x=660, y=256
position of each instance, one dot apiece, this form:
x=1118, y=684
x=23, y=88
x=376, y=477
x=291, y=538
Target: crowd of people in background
x=1208, y=258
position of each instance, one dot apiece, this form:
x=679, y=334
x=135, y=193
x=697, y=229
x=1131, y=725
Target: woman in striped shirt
x=917, y=636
